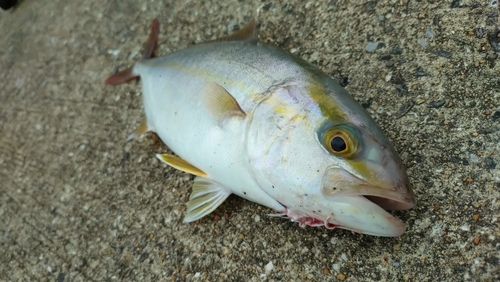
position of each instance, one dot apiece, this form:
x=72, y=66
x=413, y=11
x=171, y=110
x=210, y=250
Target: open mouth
x=364, y=209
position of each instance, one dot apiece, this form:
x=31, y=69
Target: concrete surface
x=78, y=203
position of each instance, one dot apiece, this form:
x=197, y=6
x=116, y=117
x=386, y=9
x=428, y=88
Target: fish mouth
x=363, y=207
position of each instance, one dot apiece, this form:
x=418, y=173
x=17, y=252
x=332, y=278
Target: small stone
x=397, y=50
x=496, y=115
x=436, y=104
x=494, y=39
x=491, y=56
x=490, y=163
x=475, y=217
x=475, y=134
x=476, y=240
x=371, y=47
x=341, y=276
x=370, y=6
x=419, y=72
x=429, y=33
x=269, y=267
x=455, y=4
x=436, y=207
x=326, y=271
x=384, y=57
x=422, y=42
x=479, y=32
x=443, y=53
x=396, y=247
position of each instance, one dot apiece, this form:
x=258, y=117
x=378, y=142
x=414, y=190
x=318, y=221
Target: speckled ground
x=78, y=203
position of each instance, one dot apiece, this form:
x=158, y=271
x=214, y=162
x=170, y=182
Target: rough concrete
x=78, y=203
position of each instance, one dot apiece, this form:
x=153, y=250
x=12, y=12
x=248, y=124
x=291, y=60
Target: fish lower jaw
x=305, y=220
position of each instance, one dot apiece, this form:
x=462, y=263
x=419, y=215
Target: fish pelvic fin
x=248, y=32
x=143, y=128
x=206, y=196
x=180, y=164
x=129, y=74
x=220, y=103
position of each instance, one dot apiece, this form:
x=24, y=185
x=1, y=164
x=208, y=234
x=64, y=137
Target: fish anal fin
x=220, y=103
x=180, y=164
x=143, y=128
x=206, y=196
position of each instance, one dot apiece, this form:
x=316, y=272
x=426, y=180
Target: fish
x=250, y=119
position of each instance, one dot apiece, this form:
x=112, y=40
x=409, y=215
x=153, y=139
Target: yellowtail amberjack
x=250, y=119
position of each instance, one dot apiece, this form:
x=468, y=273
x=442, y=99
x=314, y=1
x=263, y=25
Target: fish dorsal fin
x=180, y=164
x=249, y=31
x=207, y=195
x=220, y=103
x=143, y=128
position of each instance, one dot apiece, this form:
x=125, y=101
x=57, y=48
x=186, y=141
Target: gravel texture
x=78, y=203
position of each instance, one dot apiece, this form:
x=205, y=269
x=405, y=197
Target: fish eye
x=340, y=140
x=338, y=144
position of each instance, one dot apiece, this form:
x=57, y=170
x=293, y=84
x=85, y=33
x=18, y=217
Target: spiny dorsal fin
x=180, y=164
x=220, y=103
x=249, y=31
x=143, y=128
x=207, y=195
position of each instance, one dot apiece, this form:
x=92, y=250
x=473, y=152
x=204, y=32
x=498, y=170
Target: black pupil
x=338, y=144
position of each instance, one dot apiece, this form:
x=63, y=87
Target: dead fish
x=250, y=119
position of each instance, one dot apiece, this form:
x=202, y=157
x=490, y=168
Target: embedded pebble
x=422, y=42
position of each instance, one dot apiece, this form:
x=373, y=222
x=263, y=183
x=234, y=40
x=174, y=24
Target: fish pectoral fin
x=143, y=128
x=249, y=31
x=207, y=195
x=180, y=164
x=220, y=103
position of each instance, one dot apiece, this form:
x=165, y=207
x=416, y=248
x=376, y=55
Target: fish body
x=253, y=120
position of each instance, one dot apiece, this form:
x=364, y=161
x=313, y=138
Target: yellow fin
x=180, y=164
x=143, y=128
x=220, y=103
x=207, y=195
x=249, y=31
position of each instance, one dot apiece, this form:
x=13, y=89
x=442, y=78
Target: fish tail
x=152, y=40
x=129, y=74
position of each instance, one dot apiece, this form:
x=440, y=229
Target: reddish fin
x=152, y=40
x=121, y=77
x=128, y=74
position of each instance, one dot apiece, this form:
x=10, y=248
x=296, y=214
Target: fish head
x=318, y=153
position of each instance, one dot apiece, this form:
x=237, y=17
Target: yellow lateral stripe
x=205, y=74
